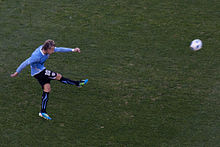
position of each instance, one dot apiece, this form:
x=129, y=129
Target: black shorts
x=45, y=76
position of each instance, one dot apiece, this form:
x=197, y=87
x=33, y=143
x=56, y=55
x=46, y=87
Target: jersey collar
x=42, y=52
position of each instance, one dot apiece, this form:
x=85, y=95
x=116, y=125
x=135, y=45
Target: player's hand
x=76, y=50
x=14, y=74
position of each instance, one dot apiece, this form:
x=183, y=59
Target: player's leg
x=44, y=81
x=60, y=78
x=45, y=97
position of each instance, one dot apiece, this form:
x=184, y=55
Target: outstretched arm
x=63, y=49
x=24, y=64
x=21, y=67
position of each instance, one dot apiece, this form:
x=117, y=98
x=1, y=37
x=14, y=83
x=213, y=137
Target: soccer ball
x=196, y=45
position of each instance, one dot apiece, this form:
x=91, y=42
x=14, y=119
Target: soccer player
x=44, y=76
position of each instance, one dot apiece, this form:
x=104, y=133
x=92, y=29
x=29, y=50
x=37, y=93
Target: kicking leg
x=60, y=78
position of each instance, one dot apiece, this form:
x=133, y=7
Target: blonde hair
x=48, y=44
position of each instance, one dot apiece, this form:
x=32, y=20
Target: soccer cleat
x=45, y=116
x=82, y=83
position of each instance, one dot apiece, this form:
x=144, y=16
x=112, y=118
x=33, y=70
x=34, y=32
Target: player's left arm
x=63, y=49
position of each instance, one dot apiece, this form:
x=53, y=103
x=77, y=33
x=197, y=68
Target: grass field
x=146, y=87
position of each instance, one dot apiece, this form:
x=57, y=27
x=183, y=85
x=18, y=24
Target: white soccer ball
x=196, y=45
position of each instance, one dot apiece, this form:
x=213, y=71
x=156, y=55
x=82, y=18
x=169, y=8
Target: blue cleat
x=82, y=83
x=45, y=116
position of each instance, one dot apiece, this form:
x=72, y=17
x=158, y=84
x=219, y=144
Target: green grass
x=146, y=87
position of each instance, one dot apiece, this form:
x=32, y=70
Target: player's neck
x=44, y=52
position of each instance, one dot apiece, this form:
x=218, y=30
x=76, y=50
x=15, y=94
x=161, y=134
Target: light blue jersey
x=37, y=60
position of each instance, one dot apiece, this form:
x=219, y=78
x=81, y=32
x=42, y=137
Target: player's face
x=50, y=50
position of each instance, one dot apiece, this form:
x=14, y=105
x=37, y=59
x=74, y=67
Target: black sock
x=45, y=97
x=68, y=81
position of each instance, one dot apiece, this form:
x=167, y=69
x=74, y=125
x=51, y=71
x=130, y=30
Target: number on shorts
x=47, y=73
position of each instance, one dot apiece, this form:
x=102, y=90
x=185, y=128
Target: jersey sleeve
x=62, y=49
x=26, y=63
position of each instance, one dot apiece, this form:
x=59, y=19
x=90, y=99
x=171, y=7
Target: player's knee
x=47, y=87
x=58, y=77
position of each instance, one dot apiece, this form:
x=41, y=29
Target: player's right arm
x=23, y=65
